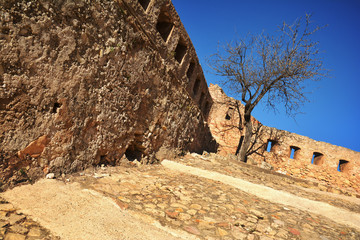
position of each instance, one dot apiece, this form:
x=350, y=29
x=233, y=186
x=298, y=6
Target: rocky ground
x=17, y=226
x=205, y=208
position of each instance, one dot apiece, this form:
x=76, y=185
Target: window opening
x=180, y=51
x=317, y=159
x=144, y=3
x=196, y=86
x=229, y=113
x=271, y=145
x=55, y=107
x=343, y=166
x=190, y=70
x=206, y=108
x=164, y=25
x=294, y=152
x=201, y=99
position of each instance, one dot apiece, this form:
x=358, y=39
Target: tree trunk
x=247, y=138
x=239, y=145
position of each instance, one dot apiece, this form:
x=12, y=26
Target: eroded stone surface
x=89, y=82
x=273, y=147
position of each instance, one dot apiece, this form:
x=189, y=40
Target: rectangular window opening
x=196, y=86
x=317, y=159
x=180, y=51
x=201, y=99
x=294, y=152
x=164, y=25
x=190, y=70
x=207, y=107
x=271, y=146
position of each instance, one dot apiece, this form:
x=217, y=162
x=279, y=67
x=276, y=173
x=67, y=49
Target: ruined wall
x=87, y=82
x=286, y=152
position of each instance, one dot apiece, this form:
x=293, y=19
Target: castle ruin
x=85, y=83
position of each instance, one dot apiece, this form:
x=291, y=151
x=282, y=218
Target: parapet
x=287, y=152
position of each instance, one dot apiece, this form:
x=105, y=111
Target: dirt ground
x=75, y=213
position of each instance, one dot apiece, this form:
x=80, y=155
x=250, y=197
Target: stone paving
x=16, y=226
x=300, y=187
x=210, y=209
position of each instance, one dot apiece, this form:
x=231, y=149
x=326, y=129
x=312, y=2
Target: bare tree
x=271, y=68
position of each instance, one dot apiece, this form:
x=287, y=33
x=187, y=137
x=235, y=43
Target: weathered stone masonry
x=89, y=82
x=287, y=152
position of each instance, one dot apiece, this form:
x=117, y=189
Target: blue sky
x=333, y=115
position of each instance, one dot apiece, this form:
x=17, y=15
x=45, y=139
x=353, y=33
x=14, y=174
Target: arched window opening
x=344, y=166
x=294, y=152
x=317, y=159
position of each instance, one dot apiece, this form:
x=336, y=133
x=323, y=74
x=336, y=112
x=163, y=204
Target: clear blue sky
x=333, y=115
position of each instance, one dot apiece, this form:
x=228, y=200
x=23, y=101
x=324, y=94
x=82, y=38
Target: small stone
x=178, y=205
x=122, y=205
x=278, y=223
x=14, y=236
x=224, y=225
x=294, y=231
x=18, y=229
x=251, y=237
x=123, y=199
x=162, y=205
x=138, y=207
x=14, y=218
x=50, y=176
x=184, y=217
x=221, y=232
x=205, y=225
x=252, y=219
x=263, y=228
x=7, y=207
x=192, y=230
x=229, y=206
x=150, y=205
x=195, y=206
x=179, y=210
x=237, y=234
x=265, y=238
x=192, y=212
x=257, y=213
x=34, y=232
x=172, y=215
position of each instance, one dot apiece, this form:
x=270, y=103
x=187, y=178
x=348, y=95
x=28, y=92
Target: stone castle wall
x=286, y=152
x=90, y=82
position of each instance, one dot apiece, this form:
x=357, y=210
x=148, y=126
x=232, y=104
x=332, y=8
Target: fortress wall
x=164, y=28
x=224, y=122
x=90, y=82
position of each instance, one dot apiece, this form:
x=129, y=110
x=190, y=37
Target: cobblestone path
x=209, y=209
